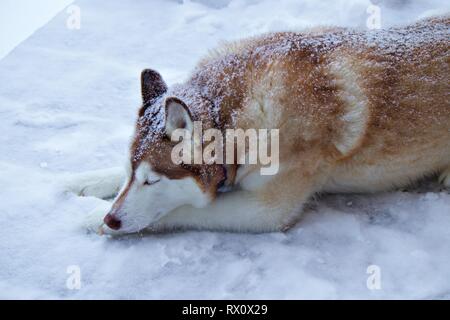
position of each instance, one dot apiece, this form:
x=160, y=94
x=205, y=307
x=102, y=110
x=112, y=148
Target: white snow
x=20, y=18
x=68, y=102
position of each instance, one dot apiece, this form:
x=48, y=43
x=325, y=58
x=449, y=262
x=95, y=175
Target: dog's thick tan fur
x=356, y=112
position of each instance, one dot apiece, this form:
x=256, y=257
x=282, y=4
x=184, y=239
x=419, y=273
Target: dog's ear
x=178, y=116
x=152, y=85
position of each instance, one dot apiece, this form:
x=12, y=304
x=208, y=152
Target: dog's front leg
x=274, y=206
x=238, y=211
x=102, y=184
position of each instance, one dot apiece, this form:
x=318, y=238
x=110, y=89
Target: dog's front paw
x=444, y=178
x=102, y=184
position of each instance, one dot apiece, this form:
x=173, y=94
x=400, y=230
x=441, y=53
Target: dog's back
x=373, y=106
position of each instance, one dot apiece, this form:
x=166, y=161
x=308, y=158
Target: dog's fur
x=356, y=112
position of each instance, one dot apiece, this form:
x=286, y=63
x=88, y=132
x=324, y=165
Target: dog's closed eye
x=150, y=182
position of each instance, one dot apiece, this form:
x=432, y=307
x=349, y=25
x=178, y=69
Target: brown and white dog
x=356, y=112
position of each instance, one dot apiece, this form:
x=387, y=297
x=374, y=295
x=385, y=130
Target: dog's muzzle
x=112, y=222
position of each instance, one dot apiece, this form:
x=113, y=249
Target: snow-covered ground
x=20, y=18
x=68, y=100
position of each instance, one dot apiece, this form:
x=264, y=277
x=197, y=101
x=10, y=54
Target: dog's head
x=155, y=184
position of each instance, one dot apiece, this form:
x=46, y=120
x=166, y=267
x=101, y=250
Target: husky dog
x=356, y=112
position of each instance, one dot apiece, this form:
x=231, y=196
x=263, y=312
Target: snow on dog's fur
x=357, y=112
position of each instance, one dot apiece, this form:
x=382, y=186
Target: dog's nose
x=112, y=222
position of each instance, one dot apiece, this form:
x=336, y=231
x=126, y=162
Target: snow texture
x=20, y=18
x=68, y=102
